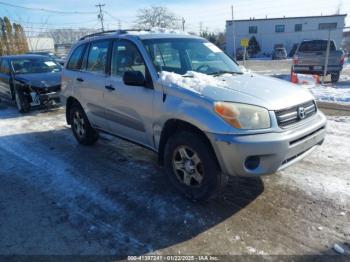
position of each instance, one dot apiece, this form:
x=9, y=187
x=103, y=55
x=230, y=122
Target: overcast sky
x=212, y=14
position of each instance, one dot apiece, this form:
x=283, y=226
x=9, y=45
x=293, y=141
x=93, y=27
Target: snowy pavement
x=58, y=197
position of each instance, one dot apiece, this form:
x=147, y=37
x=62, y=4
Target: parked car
x=240, y=54
x=30, y=80
x=60, y=60
x=279, y=53
x=292, y=50
x=182, y=97
x=310, y=58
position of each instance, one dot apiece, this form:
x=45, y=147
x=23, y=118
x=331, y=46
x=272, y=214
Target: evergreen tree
x=253, y=46
x=8, y=29
x=23, y=39
x=4, y=39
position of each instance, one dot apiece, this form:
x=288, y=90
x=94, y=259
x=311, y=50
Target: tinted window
x=74, y=60
x=126, y=57
x=279, y=28
x=325, y=26
x=315, y=46
x=298, y=28
x=97, y=59
x=4, y=67
x=253, y=29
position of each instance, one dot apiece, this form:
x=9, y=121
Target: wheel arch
x=70, y=102
x=173, y=126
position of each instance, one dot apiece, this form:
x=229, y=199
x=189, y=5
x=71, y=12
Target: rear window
x=316, y=46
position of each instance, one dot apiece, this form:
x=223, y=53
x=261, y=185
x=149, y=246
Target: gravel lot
x=58, y=197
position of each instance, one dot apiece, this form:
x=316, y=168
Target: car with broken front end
x=30, y=80
x=183, y=98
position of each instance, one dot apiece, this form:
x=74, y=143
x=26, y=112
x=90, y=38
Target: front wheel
x=191, y=166
x=22, y=102
x=81, y=127
x=335, y=77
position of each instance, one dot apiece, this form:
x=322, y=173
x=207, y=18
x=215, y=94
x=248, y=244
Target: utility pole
x=100, y=15
x=327, y=56
x=183, y=24
x=233, y=32
x=200, y=28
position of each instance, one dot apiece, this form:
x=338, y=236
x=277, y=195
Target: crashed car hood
x=40, y=80
x=268, y=92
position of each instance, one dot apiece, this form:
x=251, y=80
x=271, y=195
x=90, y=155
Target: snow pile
x=158, y=30
x=330, y=94
x=192, y=81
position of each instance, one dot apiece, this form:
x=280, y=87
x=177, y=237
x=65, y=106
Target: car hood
x=249, y=88
x=40, y=80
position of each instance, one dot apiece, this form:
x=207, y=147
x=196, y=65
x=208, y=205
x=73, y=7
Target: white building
x=285, y=31
x=41, y=44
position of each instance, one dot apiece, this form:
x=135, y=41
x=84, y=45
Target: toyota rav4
x=182, y=97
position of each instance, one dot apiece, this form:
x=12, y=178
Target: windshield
x=35, y=65
x=183, y=55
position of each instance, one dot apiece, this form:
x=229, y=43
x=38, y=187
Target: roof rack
x=117, y=32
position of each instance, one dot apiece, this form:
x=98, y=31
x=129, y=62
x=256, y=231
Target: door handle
x=110, y=87
x=80, y=79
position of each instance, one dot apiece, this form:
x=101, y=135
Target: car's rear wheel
x=191, y=166
x=335, y=77
x=22, y=102
x=82, y=130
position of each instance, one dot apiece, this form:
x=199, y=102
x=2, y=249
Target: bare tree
x=157, y=16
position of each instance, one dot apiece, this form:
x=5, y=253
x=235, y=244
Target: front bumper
x=44, y=99
x=274, y=151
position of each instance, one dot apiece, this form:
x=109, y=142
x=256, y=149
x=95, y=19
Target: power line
x=46, y=10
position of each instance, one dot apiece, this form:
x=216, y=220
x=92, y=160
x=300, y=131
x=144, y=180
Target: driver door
x=129, y=109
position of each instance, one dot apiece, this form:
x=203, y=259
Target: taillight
x=341, y=60
x=295, y=60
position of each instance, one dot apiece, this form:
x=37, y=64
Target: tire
x=82, y=130
x=206, y=176
x=22, y=102
x=335, y=77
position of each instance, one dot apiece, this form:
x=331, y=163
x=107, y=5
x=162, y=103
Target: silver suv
x=183, y=98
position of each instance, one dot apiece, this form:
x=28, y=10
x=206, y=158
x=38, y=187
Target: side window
x=4, y=67
x=126, y=57
x=97, y=59
x=74, y=60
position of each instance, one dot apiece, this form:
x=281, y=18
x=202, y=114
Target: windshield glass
x=35, y=65
x=183, y=55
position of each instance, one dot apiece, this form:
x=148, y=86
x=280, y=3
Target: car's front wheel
x=191, y=166
x=335, y=77
x=82, y=130
x=22, y=102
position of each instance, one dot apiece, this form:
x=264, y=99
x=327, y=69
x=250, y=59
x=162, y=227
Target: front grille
x=293, y=115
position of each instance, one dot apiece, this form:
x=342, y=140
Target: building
x=285, y=31
x=41, y=44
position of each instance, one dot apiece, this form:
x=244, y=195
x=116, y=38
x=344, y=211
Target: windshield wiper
x=219, y=73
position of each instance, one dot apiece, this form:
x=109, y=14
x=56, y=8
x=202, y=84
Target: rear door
x=5, y=78
x=91, y=80
x=129, y=109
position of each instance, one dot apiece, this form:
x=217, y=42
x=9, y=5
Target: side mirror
x=134, y=78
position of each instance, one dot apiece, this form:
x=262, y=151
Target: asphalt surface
x=60, y=198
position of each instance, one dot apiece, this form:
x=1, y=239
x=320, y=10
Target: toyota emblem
x=301, y=112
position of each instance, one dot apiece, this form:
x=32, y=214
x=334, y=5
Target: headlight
x=243, y=116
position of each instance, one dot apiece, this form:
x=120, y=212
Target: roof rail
x=117, y=32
